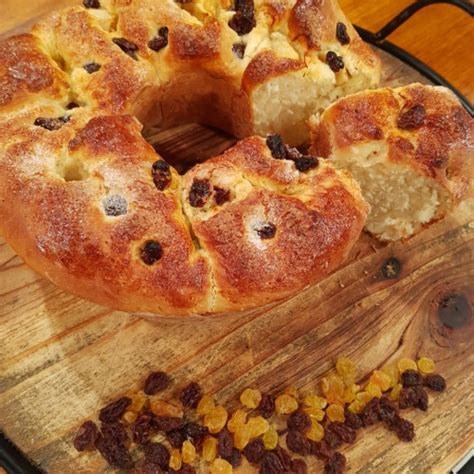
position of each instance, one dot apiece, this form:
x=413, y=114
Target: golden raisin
x=345, y=367
x=205, y=405
x=216, y=419
x=239, y=418
x=395, y=393
x=188, y=452
x=373, y=389
x=335, y=412
x=350, y=393
x=426, y=366
x=316, y=432
x=221, y=466
x=292, y=391
x=381, y=379
x=333, y=388
x=138, y=401
x=356, y=406
x=209, y=449
x=363, y=398
x=392, y=371
x=315, y=401
x=285, y=404
x=405, y=364
x=129, y=417
x=162, y=408
x=315, y=413
x=175, y=460
x=270, y=439
x=242, y=437
x=257, y=426
x=250, y=398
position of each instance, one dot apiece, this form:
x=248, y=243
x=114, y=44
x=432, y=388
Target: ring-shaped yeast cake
x=86, y=201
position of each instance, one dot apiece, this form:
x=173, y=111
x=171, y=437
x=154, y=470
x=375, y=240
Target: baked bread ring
x=411, y=149
x=86, y=201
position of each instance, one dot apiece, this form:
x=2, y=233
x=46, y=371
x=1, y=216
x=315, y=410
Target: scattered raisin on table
x=115, y=453
x=321, y=449
x=421, y=398
x=284, y=457
x=334, y=61
x=254, y=451
x=113, y=411
x=411, y=378
x=387, y=410
x=347, y=434
x=156, y=382
x=86, y=436
x=271, y=464
x=298, y=466
x=115, y=430
x=225, y=443
x=297, y=442
x=267, y=405
x=370, y=414
x=435, y=382
x=408, y=398
x=412, y=118
x=335, y=464
x=235, y=458
x=157, y=453
x=404, y=429
x=175, y=438
x=166, y=423
x=352, y=420
x=142, y=427
x=332, y=439
x=186, y=469
x=341, y=33
x=299, y=421
x=195, y=433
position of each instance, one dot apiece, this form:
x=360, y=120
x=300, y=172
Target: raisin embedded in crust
x=276, y=146
x=127, y=47
x=72, y=105
x=161, y=174
x=92, y=67
x=91, y=3
x=412, y=118
x=51, y=124
x=305, y=163
x=239, y=49
x=160, y=40
x=267, y=231
x=199, y=194
x=115, y=205
x=243, y=21
x=221, y=195
x=151, y=252
x=334, y=61
x=341, y=33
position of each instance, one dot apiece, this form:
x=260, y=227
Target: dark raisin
x=72, y=105
x=221, y=195
x=114, y=430
x=92, y=67
x=190, y=395
x=321, y=450
x=142, y=427
x=86, y=436
x=411, y=377
x=267, y=231
x=148, y=468
x=387, y=410
x=267, y=405
x=299, y=421
x=334, y=61
x=254, y=451
x=195, y=432
x=305, y=163
x=127, y=47
x=166, y=423
x=160, y=171
x=151, y=252
x=115, y=205
x=298, y=466
x=225, y=443
x=412, y=118
x=284, y=457
x=297, y=442
x=341, y=33
x=404, y=429
x=91, y=3
x=408, y=398
x=199, y=193
x=243, y=21
x=115, y=453
x=113, y=411
x=239, y=50
x=176, y=438
x=271, y=464
x=435, y=382
x=51, y=124
x=235, y=458
x=156, y=382
x=335, y=464
x=292, y=153
x=276, y=146
x=422, y=398
x=159, y=41
x=370, y=413
x=332, y=439
x=347, y=435
x=157, y=453
x=185, y=469
x=352, y=420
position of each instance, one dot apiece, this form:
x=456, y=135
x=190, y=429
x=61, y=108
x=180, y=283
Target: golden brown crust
x=437, y=140
x=77, y=147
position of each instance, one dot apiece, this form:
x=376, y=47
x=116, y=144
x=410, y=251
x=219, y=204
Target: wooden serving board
x=61, y=358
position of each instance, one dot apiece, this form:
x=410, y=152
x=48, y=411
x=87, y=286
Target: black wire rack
x=15, y=462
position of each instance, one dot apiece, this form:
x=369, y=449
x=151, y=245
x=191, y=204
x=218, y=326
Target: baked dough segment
x=279, y=230
x=411, y=149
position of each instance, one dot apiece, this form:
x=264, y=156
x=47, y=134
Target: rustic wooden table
x=62, y=357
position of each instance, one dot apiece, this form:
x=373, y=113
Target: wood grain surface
x=62, y=358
